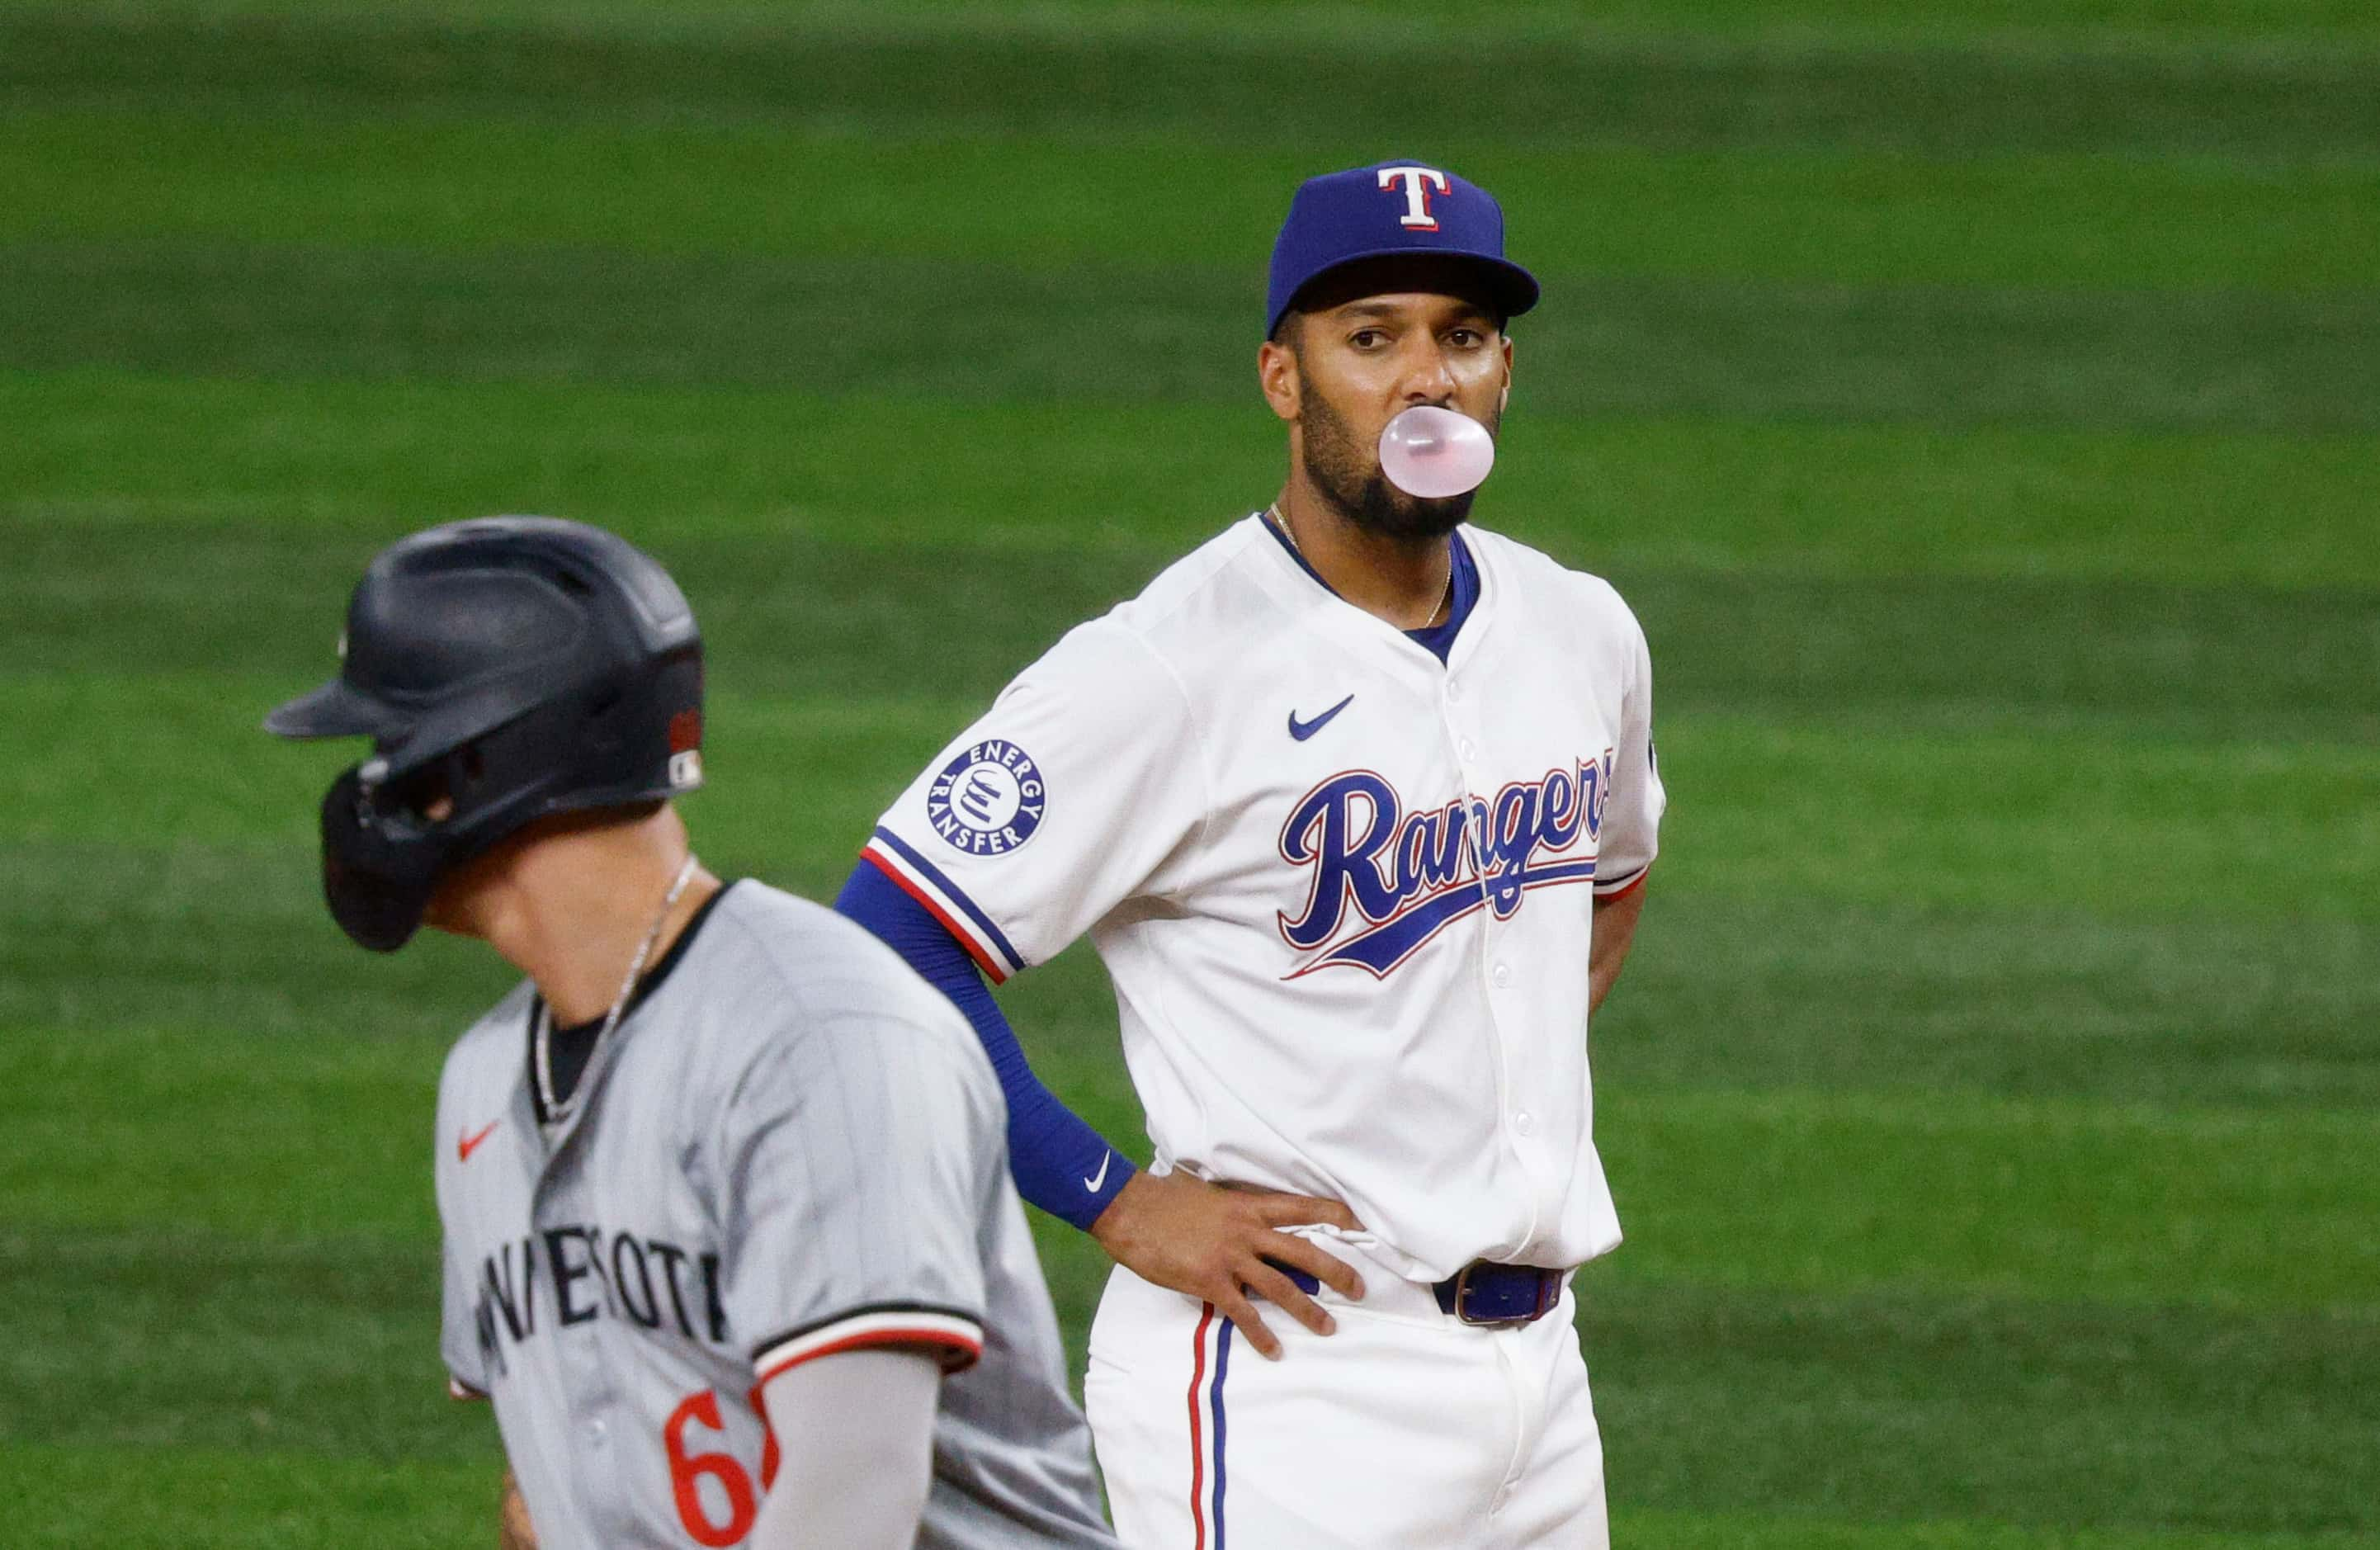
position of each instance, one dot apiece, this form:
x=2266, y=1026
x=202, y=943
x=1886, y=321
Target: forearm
x=1615, y=932
x=855, y=1435
x=1060, y=1164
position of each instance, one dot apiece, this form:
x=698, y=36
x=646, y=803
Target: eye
x=1466, y=338
x=1367, y=338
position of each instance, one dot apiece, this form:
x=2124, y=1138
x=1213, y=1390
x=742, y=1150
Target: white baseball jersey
x=790, y=1146
x=1344, y=890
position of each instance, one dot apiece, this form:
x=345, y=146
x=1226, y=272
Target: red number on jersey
x=685, y=1471
x=769, y=1454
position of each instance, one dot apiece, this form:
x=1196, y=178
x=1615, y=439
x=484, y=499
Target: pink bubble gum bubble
x=1435, y=453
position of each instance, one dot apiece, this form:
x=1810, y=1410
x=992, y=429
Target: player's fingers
x=1283, y=1294
x=1241, y=1312
x=1304, y=1211
x=1300, y=1253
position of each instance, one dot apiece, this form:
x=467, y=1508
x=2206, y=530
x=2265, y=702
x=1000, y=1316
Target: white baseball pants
x=1402, y=1429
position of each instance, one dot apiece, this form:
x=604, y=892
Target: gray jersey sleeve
x=459, y=1340
x=856, y=1154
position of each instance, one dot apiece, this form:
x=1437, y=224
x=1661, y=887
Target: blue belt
x=1484, y=1292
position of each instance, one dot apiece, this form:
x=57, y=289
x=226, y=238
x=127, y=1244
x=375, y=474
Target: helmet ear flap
x=386, y=844
x=376, y=884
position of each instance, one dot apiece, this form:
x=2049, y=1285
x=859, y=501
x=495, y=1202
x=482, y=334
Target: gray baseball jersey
x=790, y=1146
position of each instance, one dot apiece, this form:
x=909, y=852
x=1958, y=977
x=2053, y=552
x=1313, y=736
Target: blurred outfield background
x=1978, y=399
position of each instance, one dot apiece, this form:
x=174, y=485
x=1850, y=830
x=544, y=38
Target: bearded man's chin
x=1382, y=508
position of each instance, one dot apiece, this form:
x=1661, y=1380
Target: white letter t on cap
x=1417, y=181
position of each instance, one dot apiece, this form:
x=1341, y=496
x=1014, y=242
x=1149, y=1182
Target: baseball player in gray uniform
x=730, y=1239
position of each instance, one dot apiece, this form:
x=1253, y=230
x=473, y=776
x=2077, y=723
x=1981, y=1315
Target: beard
x=1348, y=474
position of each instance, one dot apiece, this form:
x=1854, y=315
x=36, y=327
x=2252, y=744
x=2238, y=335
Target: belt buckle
x=1463, y=1314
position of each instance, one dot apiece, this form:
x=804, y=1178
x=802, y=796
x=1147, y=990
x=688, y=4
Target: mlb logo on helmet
x=686, y=749
x=1384, y=210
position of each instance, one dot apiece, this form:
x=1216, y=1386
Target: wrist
x=1060, y=1164
x=1107, y=1228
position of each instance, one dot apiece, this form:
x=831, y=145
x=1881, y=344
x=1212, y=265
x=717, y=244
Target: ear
x=1277, y=375
x=1505, y=397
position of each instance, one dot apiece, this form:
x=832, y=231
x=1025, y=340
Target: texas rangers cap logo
x=1416, y=182
x=988, y=799
x=1385, y=210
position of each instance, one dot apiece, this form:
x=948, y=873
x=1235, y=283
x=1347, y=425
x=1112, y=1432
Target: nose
x=1429, y=379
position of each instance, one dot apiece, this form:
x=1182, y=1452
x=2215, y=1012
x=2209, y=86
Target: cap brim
x=1515, y=287
x=335, y=710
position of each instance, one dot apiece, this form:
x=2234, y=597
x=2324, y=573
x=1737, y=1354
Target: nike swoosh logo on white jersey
x=1302, y=730
x=1093, y=1184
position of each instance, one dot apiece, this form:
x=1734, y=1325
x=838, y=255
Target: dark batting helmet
x=516, y=666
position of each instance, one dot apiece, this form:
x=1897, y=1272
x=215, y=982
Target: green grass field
x=1980, y=404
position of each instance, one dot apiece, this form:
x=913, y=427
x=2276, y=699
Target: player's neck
x=1404, y=581
x=570, y=909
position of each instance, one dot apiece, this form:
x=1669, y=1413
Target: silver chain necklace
x=558, y=1112
x=1445, y=604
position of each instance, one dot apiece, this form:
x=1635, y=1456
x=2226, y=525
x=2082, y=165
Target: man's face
x=1362, y=362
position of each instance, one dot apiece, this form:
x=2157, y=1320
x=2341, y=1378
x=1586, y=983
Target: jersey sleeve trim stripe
x=1626, y=882
x=933, y=905
x=957, y=1338
x=926, y=882
x=866, y=1310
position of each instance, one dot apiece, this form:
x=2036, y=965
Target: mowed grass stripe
x=1237, y=85
x=1789, y=991
x=141, y=172
x=2060, y=1201
x=2063, y=1202
x=2017, y=819
x=2255, y=26
x=2058, y=1414
x=1904, y=1408
x=1689, y=1529
x=2220, y=361
x=334, y=1134
x=174, y=475
x=174, y=1339
x=166, y=934
x=1853, y=813
x=2043, y=1003
x=2084, y=664
x=183, y=760
x=294, y=1499
x=288, y=1494
x=297, y=1498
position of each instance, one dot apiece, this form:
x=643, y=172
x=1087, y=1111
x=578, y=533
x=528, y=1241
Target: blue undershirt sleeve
x=1060, y=1164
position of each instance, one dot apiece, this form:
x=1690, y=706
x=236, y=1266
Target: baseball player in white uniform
x=730, y=1239
x=1355, y=802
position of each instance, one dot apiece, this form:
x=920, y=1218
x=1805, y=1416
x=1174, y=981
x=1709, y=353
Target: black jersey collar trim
x=660, y=971
x=652, y=978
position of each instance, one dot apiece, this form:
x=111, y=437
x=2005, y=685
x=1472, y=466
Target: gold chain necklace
x=557, y=1112
x=1438, y=616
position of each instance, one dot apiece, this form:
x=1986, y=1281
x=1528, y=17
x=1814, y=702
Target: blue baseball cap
x=1386, y=210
